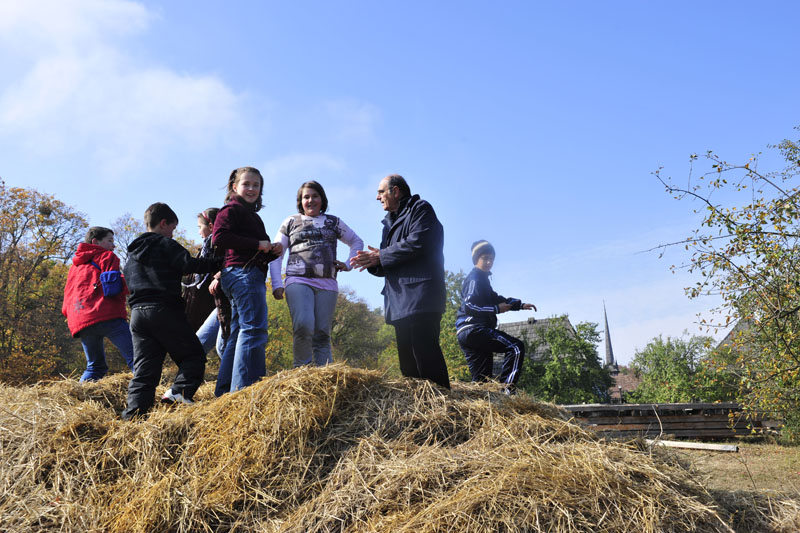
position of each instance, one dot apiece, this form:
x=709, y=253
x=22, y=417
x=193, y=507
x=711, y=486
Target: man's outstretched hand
x=366, y=259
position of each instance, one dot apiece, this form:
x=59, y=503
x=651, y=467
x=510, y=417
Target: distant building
x=529, y=330
x=532, y=329
x=732, y=338
x=625, y=382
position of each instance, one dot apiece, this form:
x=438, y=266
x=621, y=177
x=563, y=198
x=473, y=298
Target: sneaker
x=172, y=398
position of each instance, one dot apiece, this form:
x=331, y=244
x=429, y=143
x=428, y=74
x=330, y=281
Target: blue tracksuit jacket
x=479, y=301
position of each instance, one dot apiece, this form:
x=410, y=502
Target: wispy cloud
x=353, y=121
x=301, y=166
x=79, y=92
x=52, y=26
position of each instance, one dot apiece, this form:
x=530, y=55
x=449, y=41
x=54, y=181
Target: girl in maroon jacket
x=90, y=315
x=240, y=232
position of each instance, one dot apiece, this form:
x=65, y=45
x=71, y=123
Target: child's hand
x=278, y=293
x=340, y=266
x=503, y=307
x=213, y=287
x=529, y=306
x=277, y=248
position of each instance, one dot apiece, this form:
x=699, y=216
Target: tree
x=571, y=371
x=674, y=370
x=38, y=235
x=457, y=365
x=746, y=251
x=356, y=331
x=126, y=228
x=280, y=354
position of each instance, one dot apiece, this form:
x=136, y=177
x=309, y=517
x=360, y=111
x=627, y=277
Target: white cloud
x=56, y=25
x=80, y=93
x=300, y=167
x=353, y=121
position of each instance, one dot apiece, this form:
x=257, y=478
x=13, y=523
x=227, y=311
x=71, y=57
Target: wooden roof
x=528, y=330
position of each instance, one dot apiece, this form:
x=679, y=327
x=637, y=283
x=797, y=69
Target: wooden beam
x=694, y=445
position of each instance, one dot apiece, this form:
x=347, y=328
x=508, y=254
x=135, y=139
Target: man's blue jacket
x=412, y=261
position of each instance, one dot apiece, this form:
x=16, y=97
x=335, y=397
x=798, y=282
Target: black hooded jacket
x=154, y=269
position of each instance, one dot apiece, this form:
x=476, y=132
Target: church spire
x=610, y=361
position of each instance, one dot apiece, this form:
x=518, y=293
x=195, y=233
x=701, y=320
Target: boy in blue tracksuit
x=476, y=322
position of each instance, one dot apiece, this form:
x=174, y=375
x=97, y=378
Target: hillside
x=340, y=449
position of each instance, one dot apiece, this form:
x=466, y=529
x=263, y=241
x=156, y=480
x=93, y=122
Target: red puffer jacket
x=84, y=303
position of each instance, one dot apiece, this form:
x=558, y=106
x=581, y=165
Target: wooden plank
x=650, y=406
x=671, y=426
x=683, y=433
x=686, y=420
x=694, y=445
x=664, y=419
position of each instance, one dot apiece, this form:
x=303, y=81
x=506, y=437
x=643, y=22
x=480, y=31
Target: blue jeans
x=118, y=333
x=243, y=361
x=312, y=314
x=210, y=335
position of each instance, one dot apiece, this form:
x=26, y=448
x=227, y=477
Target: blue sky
x=533, y=125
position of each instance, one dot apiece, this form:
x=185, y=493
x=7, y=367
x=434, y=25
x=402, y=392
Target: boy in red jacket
x=90, y=315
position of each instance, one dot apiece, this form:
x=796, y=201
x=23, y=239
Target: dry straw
x=340, y=449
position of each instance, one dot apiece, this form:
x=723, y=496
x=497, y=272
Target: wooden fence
x=679, y=420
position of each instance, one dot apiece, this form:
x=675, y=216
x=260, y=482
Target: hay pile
x=338, y=449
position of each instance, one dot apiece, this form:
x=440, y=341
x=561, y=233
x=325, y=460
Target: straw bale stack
x=340, y=449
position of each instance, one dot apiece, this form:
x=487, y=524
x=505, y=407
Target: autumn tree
x=356, y=334
x=38, y=235
x=746, y=251
x=457, y=365
x=127, y=227
x=675, y=369
x=453, y=356
x=280, y=354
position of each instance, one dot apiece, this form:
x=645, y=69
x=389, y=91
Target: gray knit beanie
x=479, y=248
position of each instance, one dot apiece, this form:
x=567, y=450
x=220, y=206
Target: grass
x=755, y=467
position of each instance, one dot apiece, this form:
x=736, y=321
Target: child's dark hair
x=208, y=216
x=317, y=187
x=97, y=232
x=235, y=175
x=157, y=212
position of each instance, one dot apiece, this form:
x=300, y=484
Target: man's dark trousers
x=156, y=331
x=418, y=348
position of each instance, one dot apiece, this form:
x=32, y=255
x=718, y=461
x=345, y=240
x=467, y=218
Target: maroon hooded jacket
x=84, y=303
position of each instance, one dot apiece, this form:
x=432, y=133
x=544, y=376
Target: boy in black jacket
x=153, y=273
x=476, y=322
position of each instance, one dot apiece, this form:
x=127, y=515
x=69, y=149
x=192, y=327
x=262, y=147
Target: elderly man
x=412, y=263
